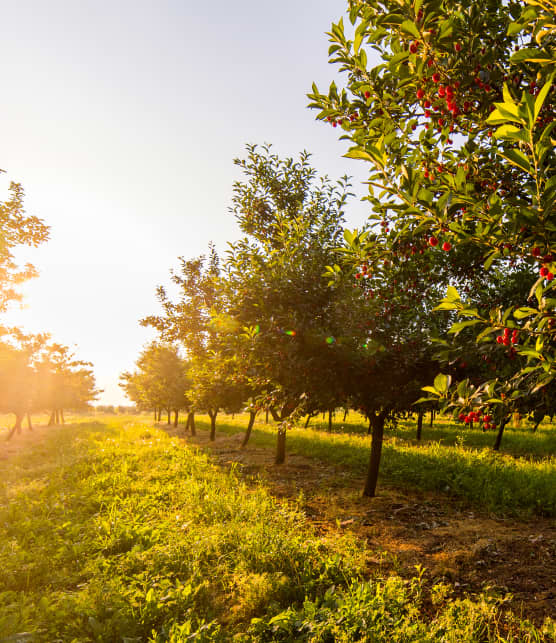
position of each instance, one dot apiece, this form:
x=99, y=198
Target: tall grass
x=113, y=531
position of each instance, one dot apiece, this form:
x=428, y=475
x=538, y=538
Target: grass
x=458, y=467
x=112, y=531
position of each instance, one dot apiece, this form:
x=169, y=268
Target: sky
x=121, y=120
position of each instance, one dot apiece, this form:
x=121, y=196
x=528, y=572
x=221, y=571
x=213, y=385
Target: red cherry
x=457, y=46
x=414, y=47
x=367, y=94
x=499, y=339
x=433, y=241
x=436, y=77
x=441, y=91
x=514, y=339
x=420, y=93
x=427, y=104
x=446, y=246
x=536, y=252
x=461, y=416
x=543, y=271
x=549, y=276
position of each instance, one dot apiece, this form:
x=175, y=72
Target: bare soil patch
x=402, y=529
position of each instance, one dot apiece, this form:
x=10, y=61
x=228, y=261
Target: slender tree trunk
x=212, y=415
x=329, y=420
x=169, y=414
x=498, y=441
x=52, y=419
x=62, y=420
x=370, y=427
x=191, y=421
x=281, y=446
x=176, y=413
x=159, y=414
x=252, y=416
x=432, y=417
x=266, y=417
x=155, y=415
x=346, y=411
x=307, y=420
x=376, y=451
x=419, y=424
x=536, y=426
x=57, y=421
x=17, y=426
x=29, y=423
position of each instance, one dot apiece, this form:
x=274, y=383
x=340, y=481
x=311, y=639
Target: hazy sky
x=122, y=119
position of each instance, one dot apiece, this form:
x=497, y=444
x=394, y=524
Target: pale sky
x=122, y=119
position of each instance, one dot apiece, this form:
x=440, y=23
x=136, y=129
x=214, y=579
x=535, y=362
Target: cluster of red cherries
x=473, y=416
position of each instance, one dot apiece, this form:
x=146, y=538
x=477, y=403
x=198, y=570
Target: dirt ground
x=403, y=529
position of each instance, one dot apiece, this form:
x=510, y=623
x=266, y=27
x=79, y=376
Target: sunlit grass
x=456, y=464
x=112, y=529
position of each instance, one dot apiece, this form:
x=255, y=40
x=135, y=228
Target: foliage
x=456, y=123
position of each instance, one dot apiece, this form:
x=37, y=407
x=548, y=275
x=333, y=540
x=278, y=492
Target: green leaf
x=430, y=389
x=525, y=311
x=411, y=28
x=532, y=55
x=459, y=326
x=452, y=294
x=442, y=382
x=542, y=96
x=358, y=153
x=518, y=158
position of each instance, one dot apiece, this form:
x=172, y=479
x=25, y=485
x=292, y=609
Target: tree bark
x=169, y=414
x=29, y=423
x=345, y=414
x=62, y=420
x=432, y=417
x=52, y=419
x=252, y=416
x=498, y=441
x=376, y=452
x=159, y=414
x=266, y=417
x=191, y=421
x=17, y=426
x=370, y=427
x=155, y=415
x=281, y=446
x=176, y=413
x=307, y=420
x=329, y=420
x=419, y=424
x=57, y=420
x=212, y=415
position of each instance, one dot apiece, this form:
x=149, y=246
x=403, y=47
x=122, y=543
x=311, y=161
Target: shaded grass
x=496, y=482
x=114, y=531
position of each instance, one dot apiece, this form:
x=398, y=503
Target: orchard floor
x=471, y=550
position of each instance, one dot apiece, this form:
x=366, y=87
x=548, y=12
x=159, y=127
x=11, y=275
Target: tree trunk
x=281, y=446
x=29, y=423
x=159, y=414
x=266, y=417
x=370, y=427
x=329, y=420
x=17, y=426
x=419, y=424
x=191, y=421
x=52, y=419
x=169, y=413
x=212, y=415
x=345, y=414
x=252, y=416
x=57, y=420
x=155, y=415
x=376, y=451
x=432, y=417
x=176, y=413
x=307, y=420
x=503, y=423
x=62, y=420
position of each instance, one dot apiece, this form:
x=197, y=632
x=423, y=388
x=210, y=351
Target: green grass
x=113, y=531
x=496, y=482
